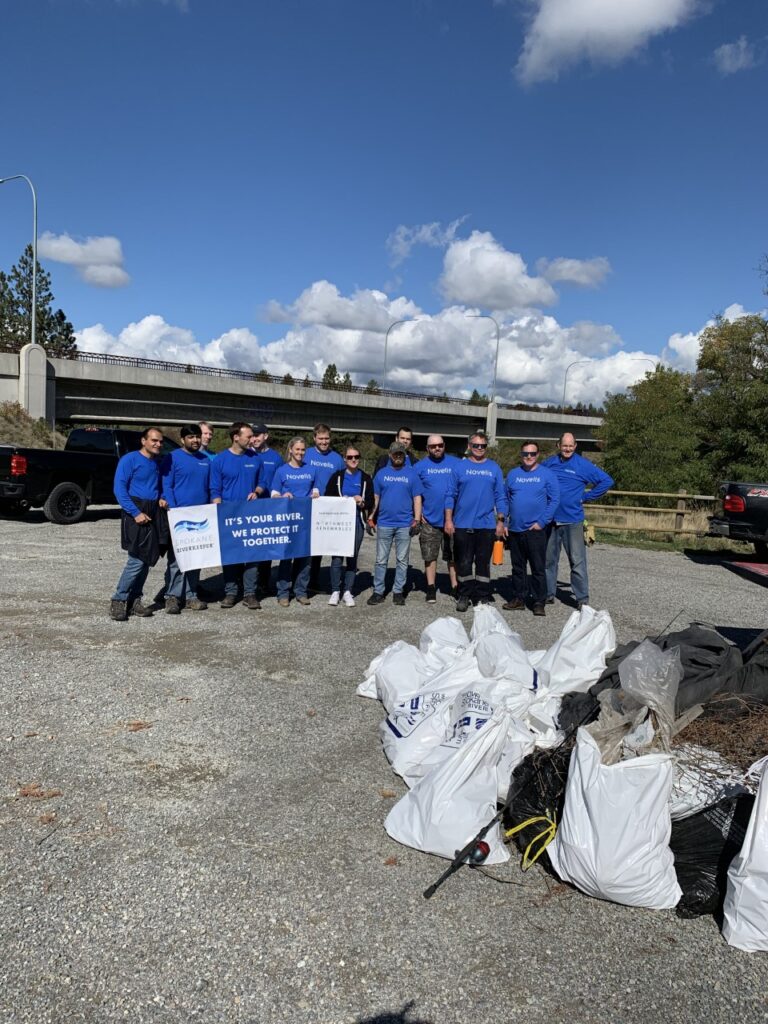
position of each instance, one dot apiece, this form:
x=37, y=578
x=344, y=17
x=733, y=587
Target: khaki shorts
x=431, y=539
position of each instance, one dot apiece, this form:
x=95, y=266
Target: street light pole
x=485, y=316
x=632, y=359
x=18, y=177
x=386, y=340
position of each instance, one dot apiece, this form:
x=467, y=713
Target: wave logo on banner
x=195, y=532
x=190, y=526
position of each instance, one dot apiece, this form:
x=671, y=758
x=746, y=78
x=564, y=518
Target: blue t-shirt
x=208, y=453
x=478, y=495
x=352, y=484
x=233, y=477
x=139, y=476
x=269, y=462
x=396, y=489
x=436, y=477
x=299, y=481
x=185, y=478
x=533, y=497
x=325, y=465
x=574, y=475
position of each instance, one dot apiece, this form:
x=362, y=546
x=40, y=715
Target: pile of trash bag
x=576, y=743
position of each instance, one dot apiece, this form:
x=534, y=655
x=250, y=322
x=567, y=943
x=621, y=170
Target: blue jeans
x=349, y=572
x=245, y=574
x=130, y=586
x=285, y=570
x=385, y=536
x=182, y=585
x=571, y=537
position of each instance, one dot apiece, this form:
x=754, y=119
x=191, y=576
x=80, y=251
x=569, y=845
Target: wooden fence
x=674, y=513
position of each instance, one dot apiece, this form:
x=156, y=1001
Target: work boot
x=229, y=601
x=283, y=602
x=172, y=606
x=539, y=609
x=140, y=610
x=118, y=610
x=462, y=603
x=398, y=599
x=196, y=605
x=550, y=600
x=252, y=602
x=515, y=605
x=303, y=600
x=431, y=595
x=375, y=598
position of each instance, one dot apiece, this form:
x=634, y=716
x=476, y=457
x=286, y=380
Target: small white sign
x=195, y=536
x=333, y=526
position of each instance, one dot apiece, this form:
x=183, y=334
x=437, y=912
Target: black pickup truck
x=63, y=483
x=743, y=516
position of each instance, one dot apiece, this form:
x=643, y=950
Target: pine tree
x=331, y=376
x=54, y=332
x=346, y=384
x=288, y=379
x=372, y=387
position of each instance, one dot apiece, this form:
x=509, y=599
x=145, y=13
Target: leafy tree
x=731, y=395
x=477, y=399
x=650, y=436
x=54, y=332
x=263, y=375
x=373, y=387
x=288, y=379
x=346, y=384
x=331, y=377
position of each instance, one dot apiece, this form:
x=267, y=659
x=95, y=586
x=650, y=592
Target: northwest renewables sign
x=258, y=531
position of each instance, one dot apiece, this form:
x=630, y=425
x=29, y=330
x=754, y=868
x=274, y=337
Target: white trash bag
x=413, y=728
x=577, y=659
x=368, y=686
x=745, y=911
x=613, y=839
x=488, y=620
x=448, y=807
x=442, y=641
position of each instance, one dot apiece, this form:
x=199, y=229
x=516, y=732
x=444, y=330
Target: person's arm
x=215, y=481
x=332, y=488
x=600, y=480
x=374, y=512
x=501, y=504
x=121, y=486
x=552, y=492
x=450, y=502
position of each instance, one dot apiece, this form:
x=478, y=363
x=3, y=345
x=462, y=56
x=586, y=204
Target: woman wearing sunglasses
x=294, y=480
x=350, y=482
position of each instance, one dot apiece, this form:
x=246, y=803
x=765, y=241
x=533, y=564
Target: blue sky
x=263, y=184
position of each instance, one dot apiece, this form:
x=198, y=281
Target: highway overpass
x=96, y=388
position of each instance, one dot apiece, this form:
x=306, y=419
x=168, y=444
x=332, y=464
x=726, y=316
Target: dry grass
x=733, y=725
x=18, y=427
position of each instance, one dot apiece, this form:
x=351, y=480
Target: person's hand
x=216, y=501
x=501, y=530
x=142, y=519
x=358, y=499
x=449, y=528
x=259, y=491
x=163, y=503
x=286, y=495
x=252, y=496
x=371, y=526
x=535, y=527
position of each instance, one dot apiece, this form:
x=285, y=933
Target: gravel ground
x=226, y=862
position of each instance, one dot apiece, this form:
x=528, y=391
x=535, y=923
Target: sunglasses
x=478, y=446
x=529, y=455
x=436, y=446
x=350, y=457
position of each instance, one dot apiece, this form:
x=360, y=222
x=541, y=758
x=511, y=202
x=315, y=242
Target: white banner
x=195, y=536
x=333, y=526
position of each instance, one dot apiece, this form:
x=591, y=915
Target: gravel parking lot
x=192, y=813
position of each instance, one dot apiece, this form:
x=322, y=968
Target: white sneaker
x=334, y=598
x=349, y=601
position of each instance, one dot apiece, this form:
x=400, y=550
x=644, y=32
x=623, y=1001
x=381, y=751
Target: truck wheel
x=761, y=549
x=65, y=504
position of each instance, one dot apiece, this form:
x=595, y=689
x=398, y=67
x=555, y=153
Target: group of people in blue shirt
x=456, y=507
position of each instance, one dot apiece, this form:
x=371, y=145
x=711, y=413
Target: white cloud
x=586, y=273
x=98, y=260
x=682, y=350
x=322, y=303
x=732, y=57
x=564, y=32
x=404, y=238
x=478, y=271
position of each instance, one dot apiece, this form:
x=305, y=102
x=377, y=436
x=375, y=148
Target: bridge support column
x=33, y=381
x=490, y=421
